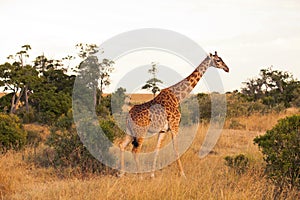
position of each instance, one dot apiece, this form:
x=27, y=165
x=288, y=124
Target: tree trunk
x=15, y=104
x=100, y=93
x=95, y=97
x=26, y=99
x=12, y=108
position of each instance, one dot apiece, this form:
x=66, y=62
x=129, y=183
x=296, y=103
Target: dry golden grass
x=258, y=122
x=207, y=178
x=139, y=98
x=41, y=129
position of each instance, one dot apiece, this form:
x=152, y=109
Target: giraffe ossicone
x=161, y=114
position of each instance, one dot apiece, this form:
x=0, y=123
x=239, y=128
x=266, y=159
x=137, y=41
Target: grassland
x=207, y=178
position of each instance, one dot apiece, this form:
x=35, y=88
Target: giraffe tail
x=135, y=142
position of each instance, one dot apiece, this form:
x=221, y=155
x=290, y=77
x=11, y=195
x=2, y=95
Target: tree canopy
x=152, y=83
x=272, y=87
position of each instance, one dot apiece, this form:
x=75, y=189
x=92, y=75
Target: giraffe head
x=217, y=62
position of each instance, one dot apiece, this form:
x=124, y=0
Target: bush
x=238, y=105
x=103, y=110
x=50, y=105
x=5, y=103
x=239, y=163
x=281, y=149
x=190, y=112
x=68, y=152
x=234, y=124
x=12, y=136
x=296, y=99
x=204, y=102
x=198, y=108
x=26, y=117
x=33, y=138
x=110, y=129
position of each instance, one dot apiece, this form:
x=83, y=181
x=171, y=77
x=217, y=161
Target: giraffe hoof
x=152, y=175
x=121, y=174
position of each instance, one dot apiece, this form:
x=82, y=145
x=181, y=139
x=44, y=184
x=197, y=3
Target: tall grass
x=207, y=178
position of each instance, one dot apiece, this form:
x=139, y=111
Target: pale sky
x=249, y=35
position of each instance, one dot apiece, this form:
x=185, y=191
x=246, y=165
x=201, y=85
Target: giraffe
x=162, y=114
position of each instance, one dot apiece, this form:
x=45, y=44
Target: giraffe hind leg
x=174, y=139
x=137, y=146
x=160, y=138
x=122, y=146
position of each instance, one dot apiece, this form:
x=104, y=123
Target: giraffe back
x=153, y=116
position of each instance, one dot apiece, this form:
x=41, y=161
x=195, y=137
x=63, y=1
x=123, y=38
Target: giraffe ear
x=216, y=53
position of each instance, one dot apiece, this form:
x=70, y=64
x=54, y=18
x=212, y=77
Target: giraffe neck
x=184, y=87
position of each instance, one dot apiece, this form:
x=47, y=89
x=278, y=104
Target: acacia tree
x=26, y=73
x=51, y=98
x=104, y=78
x=99, y=71
x=118, y=100
x=18, y=77
x=272, y=87
x=151, y=84
x=42, y=64
x=8, y=80
x=88, y=66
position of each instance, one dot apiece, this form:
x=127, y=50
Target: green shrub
x=50, y=105
x=239, y=163
x=234, y=124
x=189, y=109
x=118, y=100
x=26, y=117
x=296, y=99
x=5, y=103
x=65, y=121
x=12, y=135
x=110, y=129
x=102, y=111
x=204, y=102
x=33, y=138
x=68, y=152
x=281, y=149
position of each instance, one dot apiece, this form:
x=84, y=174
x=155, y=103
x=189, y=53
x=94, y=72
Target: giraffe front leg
x=174, y=139
x=160, y=138
x=122, y=146
x=137, y=146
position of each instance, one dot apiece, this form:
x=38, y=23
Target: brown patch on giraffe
x=139, y=116
x=166, y=98
x=194, y=78
x=184, y=87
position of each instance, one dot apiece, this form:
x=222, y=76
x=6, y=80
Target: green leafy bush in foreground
x=12, y=136
x=281, y=148
x=67, y=150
